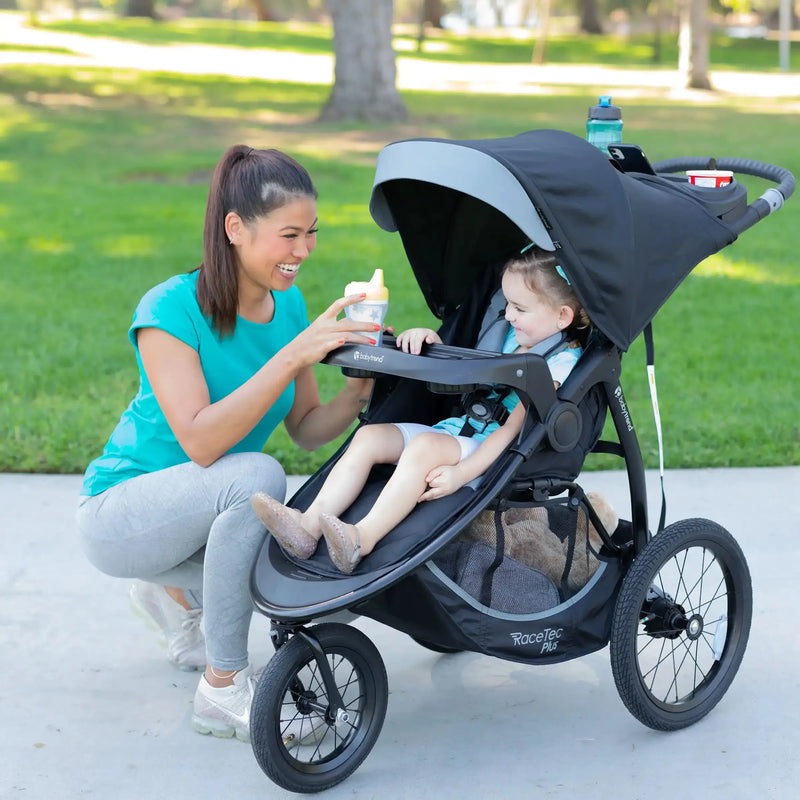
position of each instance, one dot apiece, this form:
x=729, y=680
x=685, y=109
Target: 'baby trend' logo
x=623, y=407
x=359, y=355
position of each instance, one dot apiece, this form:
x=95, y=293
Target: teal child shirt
x=560, y=365
x=143, y=442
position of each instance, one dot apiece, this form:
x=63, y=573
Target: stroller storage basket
x=525, y=581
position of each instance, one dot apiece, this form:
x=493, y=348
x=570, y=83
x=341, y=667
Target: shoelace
x=192, y=619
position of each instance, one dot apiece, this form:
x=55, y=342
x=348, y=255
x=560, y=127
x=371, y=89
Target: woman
x=225, y=353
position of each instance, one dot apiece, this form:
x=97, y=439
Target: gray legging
x=150, y=526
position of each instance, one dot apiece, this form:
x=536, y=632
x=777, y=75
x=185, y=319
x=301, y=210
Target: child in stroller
x=542, y=311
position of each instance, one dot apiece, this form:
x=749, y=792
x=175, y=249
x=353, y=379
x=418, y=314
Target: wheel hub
x=306, y=702
x=665, y=619
x=694, y=626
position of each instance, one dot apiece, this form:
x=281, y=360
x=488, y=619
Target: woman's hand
x=442, y=481
x=411, y=341
x=327, y=332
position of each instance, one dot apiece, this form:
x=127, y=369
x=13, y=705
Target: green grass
x=30, y=48
x=103, y=182
x=634, y=51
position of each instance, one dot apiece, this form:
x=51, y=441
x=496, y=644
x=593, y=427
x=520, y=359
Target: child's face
x=532, y=316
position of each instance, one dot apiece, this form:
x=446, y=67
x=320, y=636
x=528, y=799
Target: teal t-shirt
x=143, y=442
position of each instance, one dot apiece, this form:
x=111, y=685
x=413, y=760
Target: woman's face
x=532, y=316
x=271, y=249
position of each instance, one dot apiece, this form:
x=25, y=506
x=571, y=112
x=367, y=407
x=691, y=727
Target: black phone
x=631, y=158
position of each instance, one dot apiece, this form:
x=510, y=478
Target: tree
x=263, y=11
x=590, y=16
x=432, y=12
x=693, y=44
x=540, y=45
x=365, y=73
x=430, y=15
x=141, y=8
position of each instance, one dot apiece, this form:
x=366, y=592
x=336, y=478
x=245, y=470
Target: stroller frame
x=310, y=726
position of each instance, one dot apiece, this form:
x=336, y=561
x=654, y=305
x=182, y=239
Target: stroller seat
x=405, y=399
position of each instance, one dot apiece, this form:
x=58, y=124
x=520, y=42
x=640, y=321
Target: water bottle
x=604, y=125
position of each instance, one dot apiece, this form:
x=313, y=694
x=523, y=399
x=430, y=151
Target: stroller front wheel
x=681, y=624
x=300, y=739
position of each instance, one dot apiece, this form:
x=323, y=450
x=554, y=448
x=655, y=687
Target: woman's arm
x=312, y=424
x=445, y=480
x=207, y=430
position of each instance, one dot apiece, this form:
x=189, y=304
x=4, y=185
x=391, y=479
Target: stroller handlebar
x=772, y=199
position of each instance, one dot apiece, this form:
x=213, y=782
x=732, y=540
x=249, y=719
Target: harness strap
x=495, y=411
x=499, y=554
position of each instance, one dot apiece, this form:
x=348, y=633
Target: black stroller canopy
x=625, y=241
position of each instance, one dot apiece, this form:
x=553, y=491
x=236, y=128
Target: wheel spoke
x=681, y=624
x=673, y=668
x=651, y=675
x=686, y=599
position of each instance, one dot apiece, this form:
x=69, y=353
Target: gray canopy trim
x=464, y=169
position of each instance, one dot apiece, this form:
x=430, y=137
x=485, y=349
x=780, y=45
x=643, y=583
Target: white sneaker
x=225, y=711
x=177, y=629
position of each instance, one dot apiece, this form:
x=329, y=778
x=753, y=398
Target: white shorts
x=413, y=429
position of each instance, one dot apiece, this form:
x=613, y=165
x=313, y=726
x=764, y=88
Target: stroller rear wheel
x=301, y=740
x=681, y=624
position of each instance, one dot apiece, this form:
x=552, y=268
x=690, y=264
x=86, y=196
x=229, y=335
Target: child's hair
x=252, y=183
x=544, y=275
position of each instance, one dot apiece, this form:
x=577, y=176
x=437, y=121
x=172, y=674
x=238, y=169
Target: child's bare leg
x=401, y=494
x=371, y=445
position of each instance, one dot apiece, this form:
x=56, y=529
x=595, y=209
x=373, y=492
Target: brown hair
x=540, y=271
x=252, y=183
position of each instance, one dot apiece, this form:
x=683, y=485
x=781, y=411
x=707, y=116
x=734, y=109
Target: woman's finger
x=337, y=306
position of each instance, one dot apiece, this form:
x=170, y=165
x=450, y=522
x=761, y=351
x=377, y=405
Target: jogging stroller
x=675, y=607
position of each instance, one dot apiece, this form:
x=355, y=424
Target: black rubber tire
x=338, y=751
x=669, y=677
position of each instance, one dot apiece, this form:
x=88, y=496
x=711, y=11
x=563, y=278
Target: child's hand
x=442, y=481
x=411, y=341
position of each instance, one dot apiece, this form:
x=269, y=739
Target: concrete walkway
x=412, y=73
x=90, y=708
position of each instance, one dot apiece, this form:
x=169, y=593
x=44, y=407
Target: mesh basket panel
x=513, y=588
x=541, y=537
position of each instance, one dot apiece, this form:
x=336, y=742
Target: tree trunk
x=540, y=46
x=141, y=8
x=590, y=16
x=263, y=11
x=693, y=44
x=430, y=15
x=432, y=11
x=364, y=86
x=657, y=33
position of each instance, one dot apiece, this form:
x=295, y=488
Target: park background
x=110, y=127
